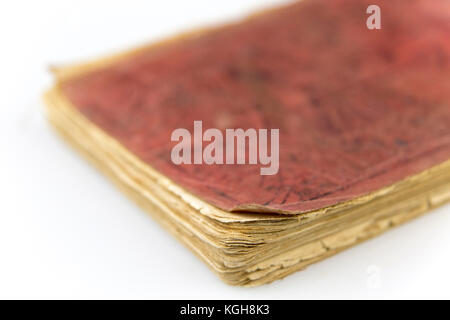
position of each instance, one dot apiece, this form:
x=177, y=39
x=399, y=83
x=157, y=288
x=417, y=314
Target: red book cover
x=357, y=109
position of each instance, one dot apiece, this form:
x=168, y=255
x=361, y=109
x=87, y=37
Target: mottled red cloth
x=357, y=109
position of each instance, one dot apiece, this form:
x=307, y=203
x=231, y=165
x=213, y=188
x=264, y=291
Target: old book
x=363, y=116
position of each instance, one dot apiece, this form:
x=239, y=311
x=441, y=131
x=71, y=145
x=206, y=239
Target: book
x=361, y=116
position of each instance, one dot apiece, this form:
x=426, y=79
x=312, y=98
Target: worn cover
x=357, y=109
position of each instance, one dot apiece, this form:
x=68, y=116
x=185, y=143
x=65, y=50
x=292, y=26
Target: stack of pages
x=345, y=116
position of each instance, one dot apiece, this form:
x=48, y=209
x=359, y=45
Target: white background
x=66, y=232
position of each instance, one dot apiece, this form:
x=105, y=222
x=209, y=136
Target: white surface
x=66, y=232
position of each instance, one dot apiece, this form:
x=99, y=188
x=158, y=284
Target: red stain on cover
x=357, y=109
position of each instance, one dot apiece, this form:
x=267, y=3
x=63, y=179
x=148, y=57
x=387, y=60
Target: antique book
x=362, y=116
